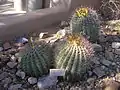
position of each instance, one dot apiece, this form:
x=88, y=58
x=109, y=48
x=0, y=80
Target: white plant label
x=57, y=72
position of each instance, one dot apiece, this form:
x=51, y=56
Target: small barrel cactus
x=86, y=21
x=36, y=61
x=73, y=55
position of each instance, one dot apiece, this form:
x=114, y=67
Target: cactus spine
x=73, y=56
x=86, y=21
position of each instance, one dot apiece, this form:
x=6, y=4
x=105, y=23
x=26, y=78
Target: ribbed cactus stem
x=74, y=56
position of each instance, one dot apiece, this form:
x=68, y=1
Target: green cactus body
x=74, y=56
x=86, y=21
x=36, y=61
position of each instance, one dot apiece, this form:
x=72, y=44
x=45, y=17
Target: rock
x=11, y=64
x=106, y=62
x=117, y=77
x=116, y=45
x=6, y=46
x=20, y=74
x=97, y=47
x=102, y=38
x=6, y=81
x=22, y=40
x=13, y=58
x=32, y=80
x=99, y=72
x=95, y=60
x=109, y=55
x=112, y=85
x=43, y=35
x=1, y=49
x=15, y=87
x=3, y=75
x=91, y=80
x=60, y=34
x=117, y=51
x=46, y=82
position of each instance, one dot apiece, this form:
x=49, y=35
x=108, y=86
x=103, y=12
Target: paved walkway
x=7, y=10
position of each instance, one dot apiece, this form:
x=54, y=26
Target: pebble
x=99, y=72
x=1, y=49
x=6, y=81
x=46, y=82
x=15, y=87
x=117, y=51
x=22, y=40
x=109, y=55
x=43, y=35
x=32, y=80
x=13, y=58
x=20, y=74
x=106, y=62
x=102, y=38
x=11, y=64
x=3, y=75
x=97, y=47
x=116, y=45
x=6, y=46
x=91, y=80
x=95, y=60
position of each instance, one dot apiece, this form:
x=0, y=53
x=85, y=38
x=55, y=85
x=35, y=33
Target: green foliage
x=36, y=60
x=86, y=21
x=73, y=55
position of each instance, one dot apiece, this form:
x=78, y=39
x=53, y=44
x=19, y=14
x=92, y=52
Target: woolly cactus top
x=80, y=41
x=80, y=12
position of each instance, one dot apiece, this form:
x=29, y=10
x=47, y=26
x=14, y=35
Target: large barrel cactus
x=36, y=61
x=86, y=21
x=73, y=55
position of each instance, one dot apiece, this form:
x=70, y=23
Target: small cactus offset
x=36, y=61
x=86, y=21
x=73, y=55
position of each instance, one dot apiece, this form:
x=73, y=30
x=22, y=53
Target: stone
x=91, y=80
x=117, y=77
x=43, y=35
x=3, y=75
x=95, y=60
x=46, y=82
x=15, y=87
x=22, y=40
x=32, y=80
x=11, y=64
x=102, y=38
x=6, y=46
x=117, y=51
x=6, y=81
x=99, y=72
x=106, y=62
x=109, y=55
x=13, y=58
x=20, y=74
x=1, y=49
x=97, y=47
x=116, y=45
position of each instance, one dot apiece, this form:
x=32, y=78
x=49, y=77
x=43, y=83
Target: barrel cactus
x=36, y=61
x=86, y=21
x=73, y=55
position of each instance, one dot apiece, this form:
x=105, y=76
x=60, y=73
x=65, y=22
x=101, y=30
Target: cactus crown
x=74, y=39
x=81, y=12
